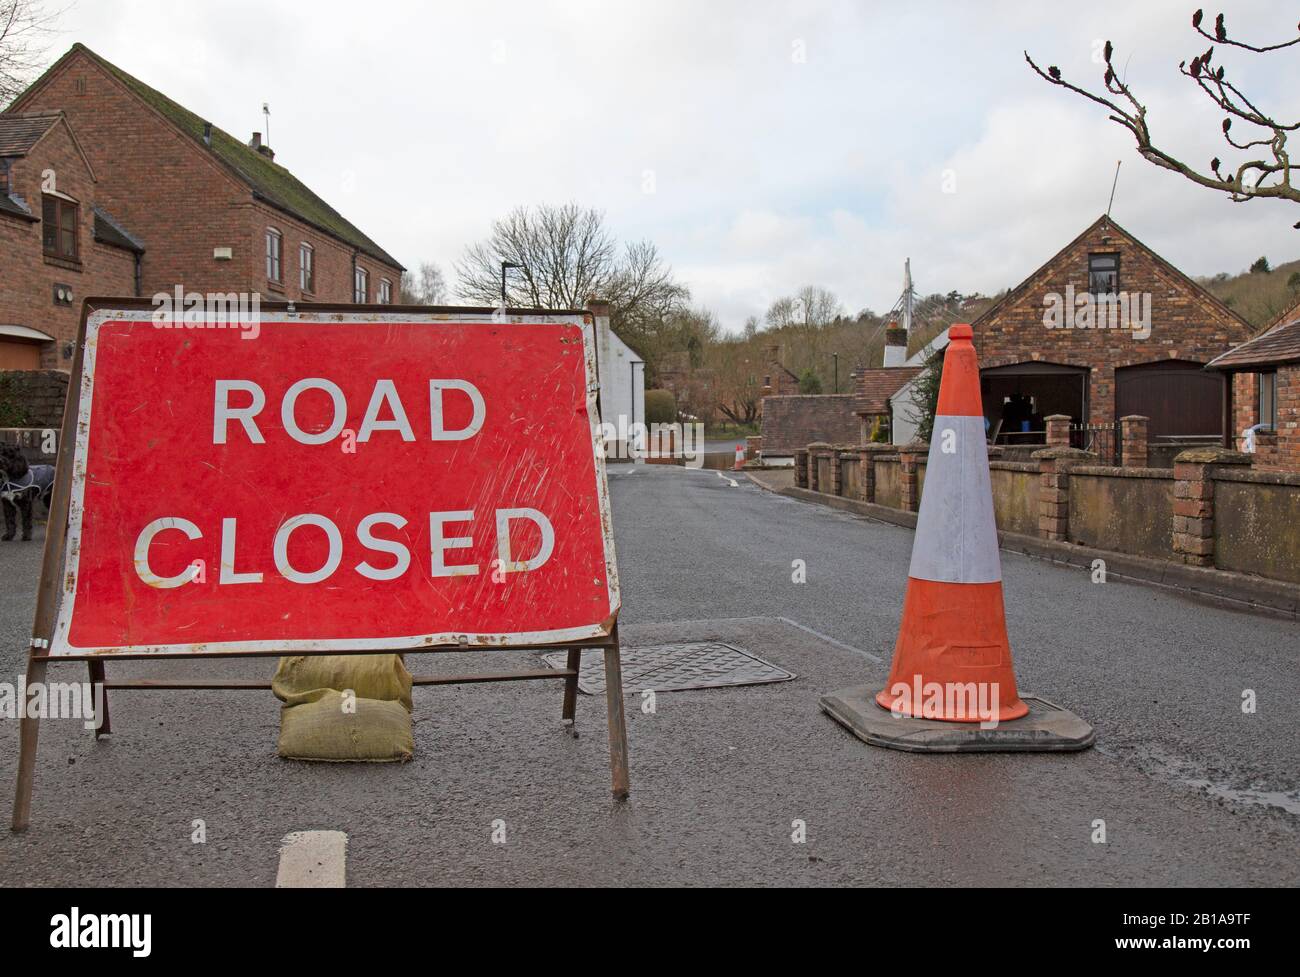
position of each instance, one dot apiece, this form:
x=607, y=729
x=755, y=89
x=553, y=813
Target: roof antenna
x=266, y=114
x=1112, y=186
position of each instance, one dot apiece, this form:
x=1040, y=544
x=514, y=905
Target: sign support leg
x=105, y=726
x=28, y=728
x=617, y=727
x=573, y=663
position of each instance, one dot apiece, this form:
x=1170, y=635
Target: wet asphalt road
x=1192, y=791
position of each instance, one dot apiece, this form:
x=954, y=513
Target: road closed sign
x=335, y=482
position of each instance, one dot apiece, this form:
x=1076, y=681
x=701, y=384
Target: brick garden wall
x=792, y=422
x=1213, y=509
x=32, y=398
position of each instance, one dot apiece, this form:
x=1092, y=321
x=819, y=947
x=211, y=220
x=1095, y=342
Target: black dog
x=21, y=485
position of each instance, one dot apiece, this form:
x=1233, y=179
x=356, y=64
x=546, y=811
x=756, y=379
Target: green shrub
x=660, y=407
x=12, y=413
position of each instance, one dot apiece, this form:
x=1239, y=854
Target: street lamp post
x=504, y=266
x=836, y=358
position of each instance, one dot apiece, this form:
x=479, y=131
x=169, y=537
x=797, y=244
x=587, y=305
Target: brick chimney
x=257, y=144
x=895, y=345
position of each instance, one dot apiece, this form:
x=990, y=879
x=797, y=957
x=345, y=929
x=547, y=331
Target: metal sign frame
x=50, y=608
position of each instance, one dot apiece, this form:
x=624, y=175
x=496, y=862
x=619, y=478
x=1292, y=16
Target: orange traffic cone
x=740, y=458
x=952, y=648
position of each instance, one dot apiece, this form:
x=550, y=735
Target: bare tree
x=782, y=313
x=1252, y=178
x=426, y=286
x=567, y=256
x=24, y=33
x=816, y=306
x=736, y=385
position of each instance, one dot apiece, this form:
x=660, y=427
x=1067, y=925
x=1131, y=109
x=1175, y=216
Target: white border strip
x=59, y=643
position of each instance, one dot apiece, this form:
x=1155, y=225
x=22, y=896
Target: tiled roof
x=1280, y=344
x=109, y=231
x=268, y=180
x=12, y=207
x=877, y=385
x=21, y=131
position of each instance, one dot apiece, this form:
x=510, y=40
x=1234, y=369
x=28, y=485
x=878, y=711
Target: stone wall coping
x=1059, y=451
x=819, y=445
x=1014, y=466
x=1114, y=471
x=1135, y=417
x=1057, y=417
x=1212, y=456
x=1257, y=477
x=917, y=447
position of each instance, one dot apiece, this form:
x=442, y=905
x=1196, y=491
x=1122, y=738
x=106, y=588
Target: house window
x=306, y=267
x=385, y=292
x=361, y=286
x=59, y=222
x=1103, y=274
x=1268, y=400
x=273, y=244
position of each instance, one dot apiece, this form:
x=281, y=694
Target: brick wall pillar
x=1133, y=441
x=1266, y=449
x=801, y=468
x=753, y=446
x=1058, y=430
x=1054, y=464
x=837, y=472
x=1194, y=502
x=1288, y=417
x=868, y=453
x=909, y=458
x=815, y=451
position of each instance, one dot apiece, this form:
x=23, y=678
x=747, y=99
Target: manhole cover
x=676, y=667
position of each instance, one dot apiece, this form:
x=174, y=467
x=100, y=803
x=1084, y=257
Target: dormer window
x=1103, y=274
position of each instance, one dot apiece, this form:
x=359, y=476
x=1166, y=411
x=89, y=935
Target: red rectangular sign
x=335, y=482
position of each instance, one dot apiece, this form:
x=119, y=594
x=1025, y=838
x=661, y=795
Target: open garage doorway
x=1017, y=398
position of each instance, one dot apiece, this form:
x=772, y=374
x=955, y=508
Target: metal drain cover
x=676, y=667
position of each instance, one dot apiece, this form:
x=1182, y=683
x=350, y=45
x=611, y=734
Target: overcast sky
x=761, y=145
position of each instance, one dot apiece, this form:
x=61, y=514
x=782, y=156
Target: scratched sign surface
x=335, y=483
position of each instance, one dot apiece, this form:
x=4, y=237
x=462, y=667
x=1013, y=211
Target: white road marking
x=730, y=481
x=313, y=860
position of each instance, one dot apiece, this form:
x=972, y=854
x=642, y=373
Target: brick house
x=1265, y=376
x=875, y=387
x=778, y=380
x=57, y=245
x=1104, y=329
x=209, y=212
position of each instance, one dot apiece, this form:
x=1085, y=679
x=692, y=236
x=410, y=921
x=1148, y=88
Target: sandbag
x=382, y=677
x=316, y=727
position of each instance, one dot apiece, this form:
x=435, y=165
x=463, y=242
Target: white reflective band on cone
x=956, y=536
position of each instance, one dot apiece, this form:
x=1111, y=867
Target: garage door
x=1180, y=397
x=19, y=356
